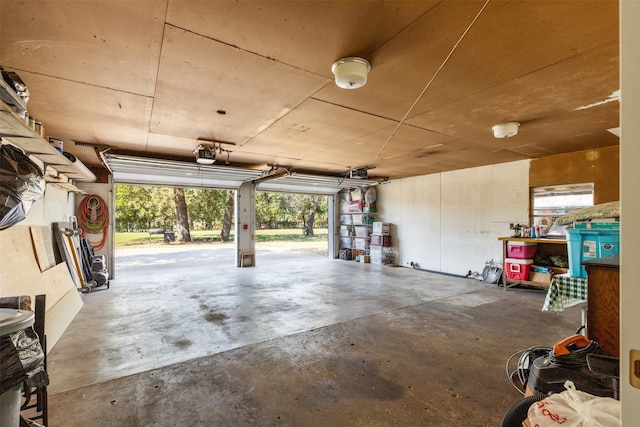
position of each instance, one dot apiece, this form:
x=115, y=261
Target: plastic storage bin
x=381, y=228
x=522, y=250
x=362, y=231
x=380, y=240
x=346, y=242
x=362, y=219
x=585, y=245
x=381, y=255
x=362, y=244
x=517, y=268
x=595, y=225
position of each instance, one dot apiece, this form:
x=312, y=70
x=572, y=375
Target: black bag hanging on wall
x=21, y=184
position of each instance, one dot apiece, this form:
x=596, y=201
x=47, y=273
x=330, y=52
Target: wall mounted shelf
x=15, y=131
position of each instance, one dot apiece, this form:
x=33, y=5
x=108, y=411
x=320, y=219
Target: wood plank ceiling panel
x=509, y=40
x=110, y=44
x=403, y=65
x=314, y=127
x=199, y=76
x=81, y=112
x=372, y=150
x=171, y=145
x=150, y=76
x=545, y=93
x=307, y=35
x=501, y=48
x=454, y=156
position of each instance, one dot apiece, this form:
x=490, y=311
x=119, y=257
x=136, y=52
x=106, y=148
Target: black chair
x=41, y=397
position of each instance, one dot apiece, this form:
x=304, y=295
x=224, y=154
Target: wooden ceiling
x=151, y=77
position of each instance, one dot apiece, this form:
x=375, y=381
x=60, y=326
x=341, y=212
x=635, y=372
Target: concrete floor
x=183, y=338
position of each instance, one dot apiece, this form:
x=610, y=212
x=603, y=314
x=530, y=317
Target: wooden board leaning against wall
x=27, y=269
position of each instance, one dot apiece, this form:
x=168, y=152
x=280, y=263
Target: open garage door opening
x=292, y=221
x=157, y=216
x=154, y=215
x=252, y=222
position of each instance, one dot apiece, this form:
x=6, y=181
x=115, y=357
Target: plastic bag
x=575, y=408
x=21, y=184
x=21, y=359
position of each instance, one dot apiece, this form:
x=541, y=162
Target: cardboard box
x=540, y=277
x=559, y=270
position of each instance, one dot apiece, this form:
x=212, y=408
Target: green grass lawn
x=291, y=238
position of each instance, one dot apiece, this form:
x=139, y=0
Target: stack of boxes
x=520, y=258
x=362, y=233
x=346, y=230
x=380, y=247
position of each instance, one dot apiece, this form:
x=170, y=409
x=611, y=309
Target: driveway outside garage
x=183, y=337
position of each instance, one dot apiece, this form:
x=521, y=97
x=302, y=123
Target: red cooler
x=517, y=268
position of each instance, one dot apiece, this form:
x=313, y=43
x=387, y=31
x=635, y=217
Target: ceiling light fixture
x=205, y=155
x=208, y=149
x=351, y=72
x=505, y=130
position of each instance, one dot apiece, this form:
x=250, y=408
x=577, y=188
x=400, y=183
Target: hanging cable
x=93, y=218
x=401, y=122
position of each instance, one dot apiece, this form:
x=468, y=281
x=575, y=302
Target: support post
x=245, y=223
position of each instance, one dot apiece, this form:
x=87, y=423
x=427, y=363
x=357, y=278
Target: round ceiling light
x=505, y=130
x=351, y=72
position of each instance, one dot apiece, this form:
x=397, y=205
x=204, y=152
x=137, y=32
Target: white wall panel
x=510, y=200
x=511, y=192
x=391, y=211
x=467, y=213
x=415, y=236
x=450, y=222
x=53, y=206
x=433, y=217
x=421, y=222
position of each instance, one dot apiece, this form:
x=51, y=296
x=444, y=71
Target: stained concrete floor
x=184, y=338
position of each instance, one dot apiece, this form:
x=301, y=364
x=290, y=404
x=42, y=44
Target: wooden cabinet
x=547, y=246
x=603, y=303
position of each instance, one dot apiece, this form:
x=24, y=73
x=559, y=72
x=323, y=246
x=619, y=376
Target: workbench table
x=544, y=245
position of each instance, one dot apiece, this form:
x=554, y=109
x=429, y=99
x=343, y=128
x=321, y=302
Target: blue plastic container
x=585, y=245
